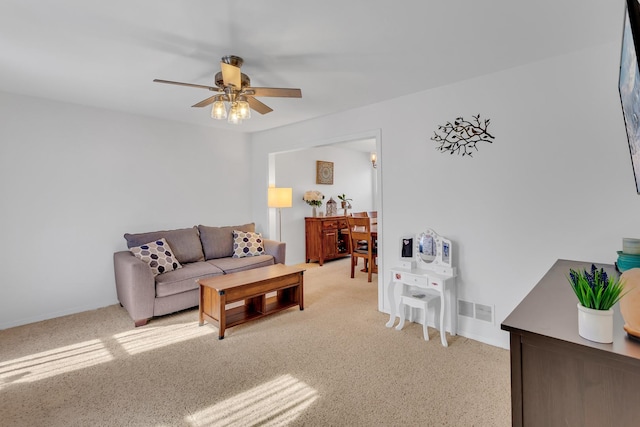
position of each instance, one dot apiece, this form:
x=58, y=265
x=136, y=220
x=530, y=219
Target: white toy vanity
x=425, y=280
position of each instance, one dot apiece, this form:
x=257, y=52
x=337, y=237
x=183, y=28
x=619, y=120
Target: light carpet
x=333, y=364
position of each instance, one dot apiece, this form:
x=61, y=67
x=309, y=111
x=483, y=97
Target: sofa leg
x=141, y=322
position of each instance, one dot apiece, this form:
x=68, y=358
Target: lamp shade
x=280, y=197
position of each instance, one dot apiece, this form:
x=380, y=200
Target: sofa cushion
x=247, y=244
x=158, y=255
x=217, y=242
x=184, y=279
x=231, y=265
x=185, y=242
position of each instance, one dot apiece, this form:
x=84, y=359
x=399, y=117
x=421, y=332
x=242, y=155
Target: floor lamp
x=280, y=198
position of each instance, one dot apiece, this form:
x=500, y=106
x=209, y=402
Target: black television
x=629, y=83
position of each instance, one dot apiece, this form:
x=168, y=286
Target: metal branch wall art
x=462, y=136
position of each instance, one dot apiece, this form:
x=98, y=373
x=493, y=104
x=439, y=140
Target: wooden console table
x=560, y=378
x=326, y=238
x=252, y=287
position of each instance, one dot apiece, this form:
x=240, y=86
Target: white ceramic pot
x=595, y=325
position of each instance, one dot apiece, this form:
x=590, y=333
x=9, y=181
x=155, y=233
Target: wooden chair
x=362, y=245
x=359, y=215
x=374, y=216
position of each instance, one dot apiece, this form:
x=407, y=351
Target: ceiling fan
x=234, y=87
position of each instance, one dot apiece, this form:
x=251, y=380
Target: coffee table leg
x=301, y=291
x=200, y=306
x=222, y=314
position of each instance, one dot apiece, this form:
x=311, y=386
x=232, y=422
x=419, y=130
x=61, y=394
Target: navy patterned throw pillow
x=158, y=255
x=247, y=244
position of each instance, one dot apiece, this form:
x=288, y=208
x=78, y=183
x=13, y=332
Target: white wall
x=353, y=176
x=556, y=183
x=73, y=180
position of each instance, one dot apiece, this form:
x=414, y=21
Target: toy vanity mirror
x=427, y=247
x=433, y=252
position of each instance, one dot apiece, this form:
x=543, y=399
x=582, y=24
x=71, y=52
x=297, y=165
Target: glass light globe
x=244, y=110
x=218, y=111
x=234, y=116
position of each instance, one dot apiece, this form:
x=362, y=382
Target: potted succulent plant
x=597, y=293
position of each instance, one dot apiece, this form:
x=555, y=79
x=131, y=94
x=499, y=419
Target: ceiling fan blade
x=187, y=84
x=210, y=100
x=273, y=91
x=258, y=106
x=231, y=75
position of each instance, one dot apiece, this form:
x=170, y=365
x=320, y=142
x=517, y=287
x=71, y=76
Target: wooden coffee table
x=252, y=287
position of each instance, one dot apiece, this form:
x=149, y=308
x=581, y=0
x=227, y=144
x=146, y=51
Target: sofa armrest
x=135, y=286
x=276, y=249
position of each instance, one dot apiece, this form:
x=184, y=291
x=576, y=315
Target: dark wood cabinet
x=326, y=238
x=558, y=377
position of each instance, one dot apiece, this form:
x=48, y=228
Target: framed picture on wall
x=324, y=172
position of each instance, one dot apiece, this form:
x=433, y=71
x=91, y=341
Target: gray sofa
x=202, y=251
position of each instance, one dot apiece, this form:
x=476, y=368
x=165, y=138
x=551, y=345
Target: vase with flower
x=597, y=293
x=313, y=198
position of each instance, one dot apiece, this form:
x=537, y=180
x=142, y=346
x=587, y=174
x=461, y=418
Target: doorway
x=296, y=169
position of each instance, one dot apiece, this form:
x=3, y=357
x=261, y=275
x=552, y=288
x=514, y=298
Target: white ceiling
x=342, y=54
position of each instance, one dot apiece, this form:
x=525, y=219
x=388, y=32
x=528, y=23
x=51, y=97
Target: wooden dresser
x=326, y=238
x=558, y=377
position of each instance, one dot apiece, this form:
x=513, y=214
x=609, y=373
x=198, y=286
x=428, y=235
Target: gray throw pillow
x=217, y=242
x=185, y=242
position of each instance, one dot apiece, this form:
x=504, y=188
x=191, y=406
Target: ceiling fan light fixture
x=234, y=88
x=218, y=110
